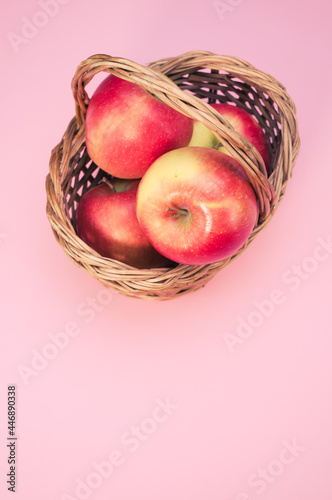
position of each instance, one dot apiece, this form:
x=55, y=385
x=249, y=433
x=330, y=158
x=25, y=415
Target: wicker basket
x=188, y=83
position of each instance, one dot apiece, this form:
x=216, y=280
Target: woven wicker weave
x=188, y=83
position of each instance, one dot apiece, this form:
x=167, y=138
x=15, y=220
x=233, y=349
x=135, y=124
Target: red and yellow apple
x=243, y=123
x=196, y=206
x=106, y=221
x=127, y=128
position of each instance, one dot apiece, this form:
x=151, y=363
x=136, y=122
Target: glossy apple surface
x=195, y=205
x=106, y=221
x=127, y=128
x=242, y=122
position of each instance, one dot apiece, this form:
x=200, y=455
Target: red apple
x=106, y=221
x=196, y=206
x=243, y=123
x=127, y=128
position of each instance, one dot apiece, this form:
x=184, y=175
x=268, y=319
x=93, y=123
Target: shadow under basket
x=188, y=83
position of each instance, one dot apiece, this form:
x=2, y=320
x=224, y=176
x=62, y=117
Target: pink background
x=249, y=420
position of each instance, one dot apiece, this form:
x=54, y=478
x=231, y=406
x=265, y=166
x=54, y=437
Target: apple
x=202, y=136
x=196, y=206
x=243, y=123
x=106, y=221
x=127, y=128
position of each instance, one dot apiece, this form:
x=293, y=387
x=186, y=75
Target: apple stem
x=178, y=209
x=108, y=182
